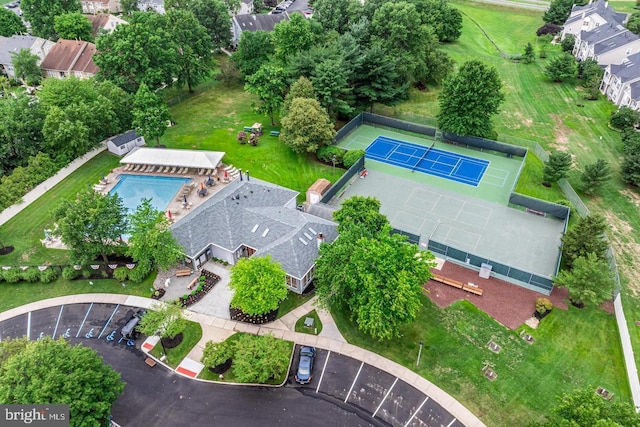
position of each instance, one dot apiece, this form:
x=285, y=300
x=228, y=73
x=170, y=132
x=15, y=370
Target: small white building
x=125, y=142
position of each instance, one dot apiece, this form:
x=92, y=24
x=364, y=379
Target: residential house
x=151, y=5
x=246, y=7
x=240, y=23
x=104, y=21
x=255, y=218
x=125, y=142
x=13, y=44
x=621, y=82
x=590, y=17
x=70, y=58
x=90, y=7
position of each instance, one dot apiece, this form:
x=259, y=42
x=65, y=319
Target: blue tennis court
x=444, y=164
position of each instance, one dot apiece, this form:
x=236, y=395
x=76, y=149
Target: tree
x=10, y=23
x=557, y=167
x=307, y=126
x=568, y=43
x=194, y=47
x=214, y=16
x=595, y=175
x=468, y=100
x=129, y=6
x=377, y=79
x=589, y=281
x=91, y=225
x=591, y=73
x=446, y=20
x=21, y=123
x=587, y=236
x=624, y=118
x=150, y=114
x=330, y=81
x=360, y=211
x=335, y=15
x=529, y=54
x=631, y=141
x=293, y=36
x=26, y=67
x=227, y=72
x=60, y=373
x=217, y=353
x=558, y=12
x=257, y=359
x=73, y=26
x=269, y=84
x=151, y=241
x=66, y=136
x=630, y=169
x=141, y=52
x=41, y=14
x=254, y=49
x=259, y=285
x=561, y=68
x=163, y=320
x=301, y=88
x=548, y=30
x=633, y=23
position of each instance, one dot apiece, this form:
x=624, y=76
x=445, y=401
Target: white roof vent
x=265, y=232
x=255, y=227
x=307, y=236
x=304, y=242
x=313, y=231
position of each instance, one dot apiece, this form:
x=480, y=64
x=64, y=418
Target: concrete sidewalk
x=216, y=329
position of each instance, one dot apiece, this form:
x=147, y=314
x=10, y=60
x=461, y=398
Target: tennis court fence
x=342, y=183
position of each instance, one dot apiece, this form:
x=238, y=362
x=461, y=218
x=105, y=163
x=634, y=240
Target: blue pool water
x=161, y=190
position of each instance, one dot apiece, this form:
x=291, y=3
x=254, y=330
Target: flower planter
x=258, y=319
x=210, y=279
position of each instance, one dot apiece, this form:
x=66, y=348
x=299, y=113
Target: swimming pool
x=160, y=189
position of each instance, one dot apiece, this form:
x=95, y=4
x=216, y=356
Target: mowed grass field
x=557, y=117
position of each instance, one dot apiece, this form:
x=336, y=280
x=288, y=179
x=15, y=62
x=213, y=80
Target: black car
x=305, y=365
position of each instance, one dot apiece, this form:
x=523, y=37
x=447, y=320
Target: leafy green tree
x=150, y=114
x=561, y=68
x=214, y=16
x=631, y=141
x=591, y=74
x=301, y=88
x=65, y=135
x=293, y=36
x=360, y=211
x=73, y=26
x=330, y=81
x=60, y=373
x=129, y=6
x=26, y=67
x=217, y=353
x=469, y=99
x=378, y=80
x=446, y=20
x=227, y=72
x=307, y=126
x=529, y=53
x=163, y=320
x=41, y=15
x=568, y=43
x=624, y=118
x=630, y=169
x=557, y=167
x=269, y=84
x=151, y=241
x=257, y=359
x=141, y=52
x=259, y=285
x=91, y=225
x=21, y=123
x=589, y=282
x=558, y=11
x=587, y=236
x=633, y=23
x=594, y=176
x=194, y=47
x=254, y=49
x=335, y=15
x=10, y=23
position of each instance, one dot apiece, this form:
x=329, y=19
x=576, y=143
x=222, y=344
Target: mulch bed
x=507, y=303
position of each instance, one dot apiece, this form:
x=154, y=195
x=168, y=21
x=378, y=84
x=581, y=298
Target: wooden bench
x=465, y=287
x=181, y=273
x=248, y=129
x=193, y=282
x=275, y=133
x=149, y=361
x=473, y=290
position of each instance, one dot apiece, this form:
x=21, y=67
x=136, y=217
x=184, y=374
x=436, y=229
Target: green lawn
x=293, y=301
x=192, y=334
x=572, y=349
x=315, y=329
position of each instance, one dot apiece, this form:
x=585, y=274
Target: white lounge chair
x=200, y=171
x=153, y=169
x=166, y=170
x=208, y=171
x=173, y=169
x=148, y=168
x=127, y=167
x=182, y=170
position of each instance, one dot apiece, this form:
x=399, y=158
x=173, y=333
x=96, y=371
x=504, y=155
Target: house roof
x=601, y=33
x=14, y=44
x=629, y=69
x=71, y=55
x=98, y=21
x=168, y=157
x=254, y=213
x=635, y=90
x=123, y=138
x=260, y=22
x=600, y=7
x=621, y=39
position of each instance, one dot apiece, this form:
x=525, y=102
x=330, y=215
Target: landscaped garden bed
x=206, y=282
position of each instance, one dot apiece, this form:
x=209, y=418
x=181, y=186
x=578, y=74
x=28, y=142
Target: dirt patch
x=632, y=196
x=619, y=235
x=26, y=255
x=562, y=133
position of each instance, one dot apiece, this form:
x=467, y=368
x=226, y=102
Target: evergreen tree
x=557, y=167
x=529, y=53
x=587, y=236
x=594, y=176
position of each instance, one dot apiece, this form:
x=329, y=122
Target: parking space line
x=354, y=382
x=323, y=368
x=84, y=320
x=57, y=322
x=29, y=325
x=452, y=421
x=417, y=410
x=385, y=398
x=108, y=321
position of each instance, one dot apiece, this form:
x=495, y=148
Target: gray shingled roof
x=635, y=90
x=601, y=33
x=600, y=7
x=628, y=70
x=123, y=138
x=253, y=213
x=620, y=39
x=260, y=22
x=14, y=44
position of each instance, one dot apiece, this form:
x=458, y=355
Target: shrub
x=552, y=29
x=351, y=157
x=624, y=118
x=326, y=153
x=70, y=273
x=86, y=273
x=31, y=274
x=217, y=353
x=567, y=203
x=138, y=273
x=543, y=305
x=568, y=43
x=12, y=275
x=48, y=275
x=121, y=274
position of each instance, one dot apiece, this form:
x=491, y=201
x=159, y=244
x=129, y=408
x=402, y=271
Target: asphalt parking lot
x=343, y=392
